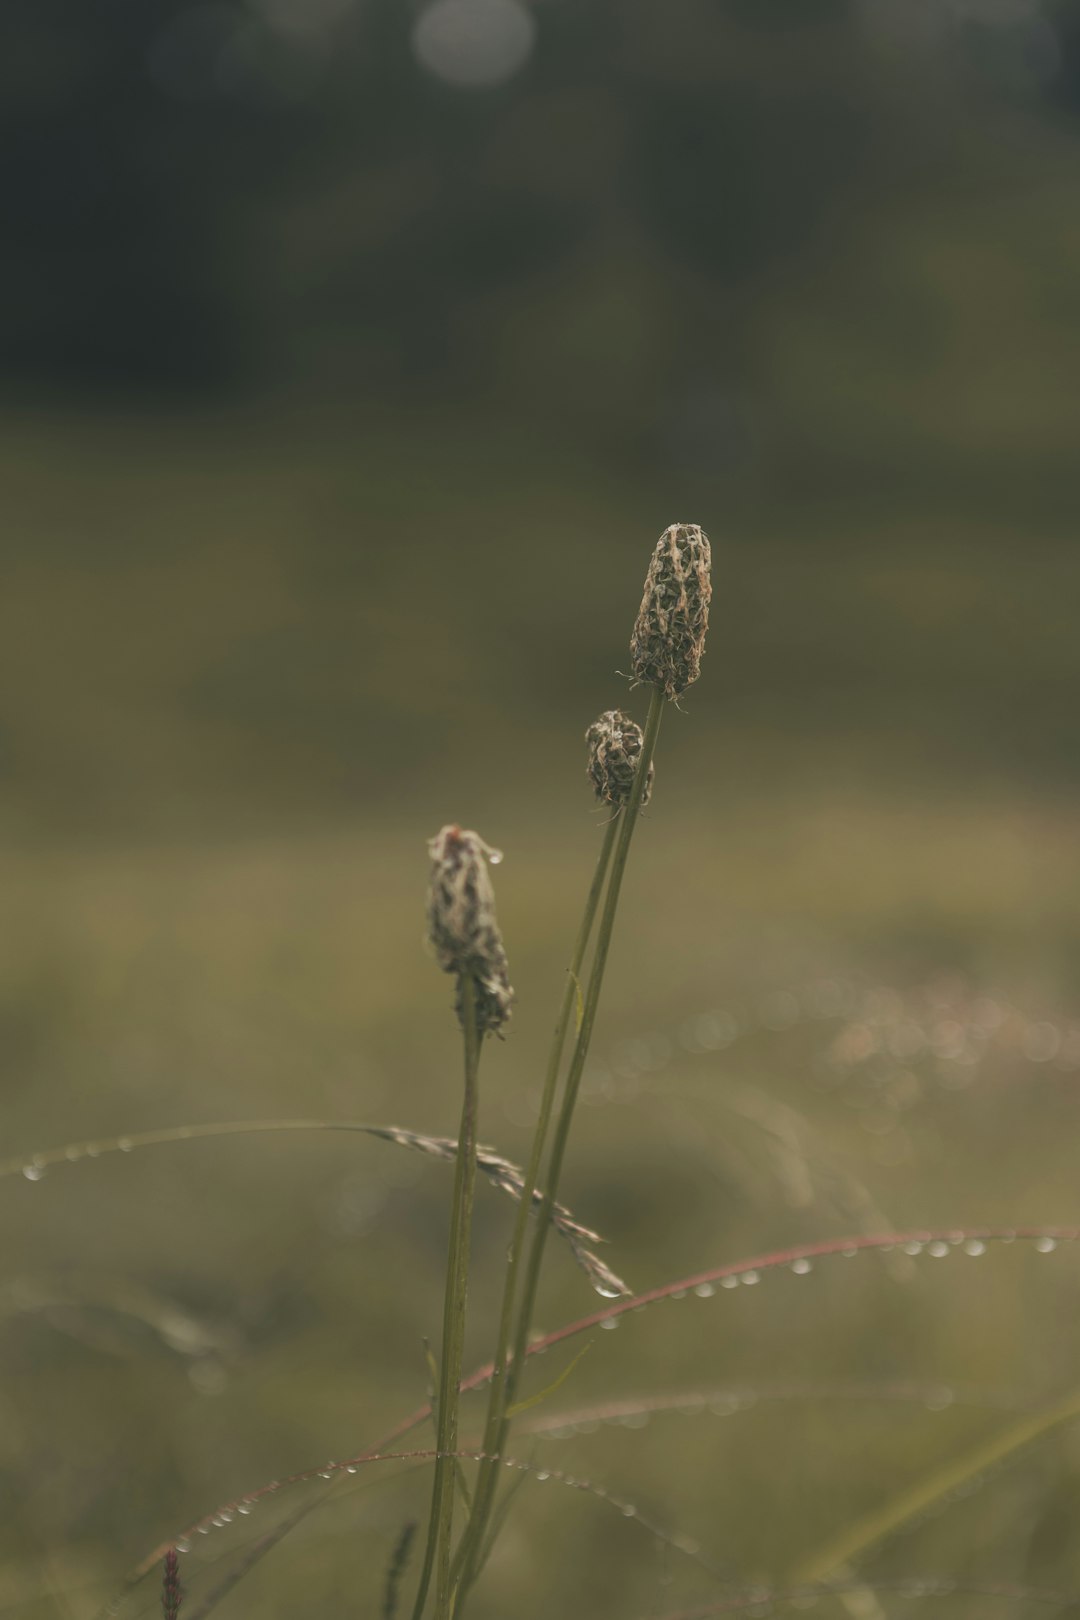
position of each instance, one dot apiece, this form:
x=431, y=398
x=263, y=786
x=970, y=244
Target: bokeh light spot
x=474, y=44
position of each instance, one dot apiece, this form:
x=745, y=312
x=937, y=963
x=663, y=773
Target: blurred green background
x=354, y=353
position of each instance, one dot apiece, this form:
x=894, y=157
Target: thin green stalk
x=440, y=1524
x=625, y=832
x=488, y=1474
x=916, y=1499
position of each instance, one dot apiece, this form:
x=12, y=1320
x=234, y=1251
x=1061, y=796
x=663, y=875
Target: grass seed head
x=669, y=636
x=462, y=925
x=614, y=750
x=171, y=1594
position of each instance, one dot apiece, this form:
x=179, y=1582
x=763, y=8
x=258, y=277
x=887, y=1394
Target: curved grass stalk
x=778, y=1259
x=538, y=1471
x=731, y=1398
x=912, y=1586
x=501, y=1173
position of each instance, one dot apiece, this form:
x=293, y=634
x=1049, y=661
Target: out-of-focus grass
x=171, y=985
x=249, y=670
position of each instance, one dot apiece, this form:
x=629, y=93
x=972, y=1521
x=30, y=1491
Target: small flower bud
x=614, y=750
x=462, y=926
x=669, y=636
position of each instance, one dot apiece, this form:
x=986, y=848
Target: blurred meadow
x=355, y=353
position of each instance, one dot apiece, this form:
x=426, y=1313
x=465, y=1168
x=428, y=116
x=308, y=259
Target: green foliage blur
x=354, y=353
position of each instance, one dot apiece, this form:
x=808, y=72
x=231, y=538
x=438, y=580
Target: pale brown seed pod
x=462, y=926
x=669, y=636
x=614, y=750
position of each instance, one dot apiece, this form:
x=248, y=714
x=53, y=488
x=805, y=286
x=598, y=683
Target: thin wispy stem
x=501, y=1173
x=571, y=996
x=625, y=826
x=440, y=1525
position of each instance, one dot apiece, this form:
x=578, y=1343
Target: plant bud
x=614, y=750
x=669, y=636
x=462, y=926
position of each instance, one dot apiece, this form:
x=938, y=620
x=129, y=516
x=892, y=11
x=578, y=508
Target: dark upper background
x=354, y=352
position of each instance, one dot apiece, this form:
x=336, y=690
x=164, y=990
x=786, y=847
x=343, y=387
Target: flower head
x=462, y=926
x=614, y=750
x=669, y=636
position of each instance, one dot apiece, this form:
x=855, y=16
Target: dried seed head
x=669, y=636
x=462, y=926
x=171, y=1593
x=614, y=750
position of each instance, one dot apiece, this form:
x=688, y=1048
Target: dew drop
x=610, y=1323
x=33, y=1171
x=628, y=1510
x=729, y=1282
x=495, y=856
x=974, y=1246
x=245, y=1508
x=749, y=1278
x=351, y=1468
x=848, y=1254
x=607, y=1292
x=183, y=1545
x=913, y=1248
x=704, y=1290
x=801, y=1266
x=227, y=1517
x=679, y=1293
x=125, y=1144
x=204, y=1529
x=541, y=1475
x=1045, y=1245
x=937, y=1249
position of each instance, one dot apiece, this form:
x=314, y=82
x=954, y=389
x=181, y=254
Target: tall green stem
x=625, y=832
x=488, y=1476
x=441, y=1522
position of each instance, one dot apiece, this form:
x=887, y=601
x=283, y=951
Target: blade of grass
x=915, y=1499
